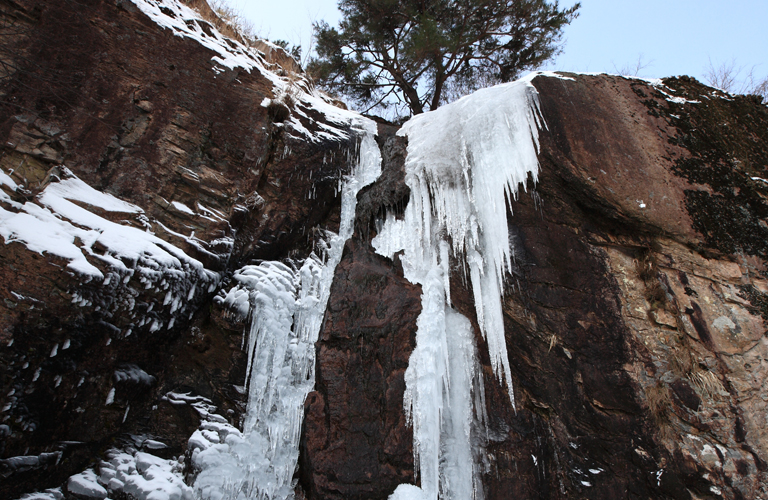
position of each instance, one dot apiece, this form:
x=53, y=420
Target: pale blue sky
x=674, y=37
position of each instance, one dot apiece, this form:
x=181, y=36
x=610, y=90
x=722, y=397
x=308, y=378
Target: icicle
x=464, y=165
x=286, y=308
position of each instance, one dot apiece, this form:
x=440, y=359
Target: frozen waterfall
x=286, y=303
x=464, y=164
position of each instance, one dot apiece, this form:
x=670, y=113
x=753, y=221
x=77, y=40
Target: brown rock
x=355, y=442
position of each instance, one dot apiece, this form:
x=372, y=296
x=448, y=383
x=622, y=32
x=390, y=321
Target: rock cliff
x=141, y=168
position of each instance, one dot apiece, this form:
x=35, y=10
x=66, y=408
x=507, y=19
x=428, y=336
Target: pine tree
x=420, y=51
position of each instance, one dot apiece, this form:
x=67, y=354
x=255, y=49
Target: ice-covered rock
x=86, y=485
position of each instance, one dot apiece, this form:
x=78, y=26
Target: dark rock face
x=634, y=317
x=355, y=442
x=659, y=344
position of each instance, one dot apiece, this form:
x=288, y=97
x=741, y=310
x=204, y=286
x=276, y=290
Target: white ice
x=464, y=165
x=286, y=303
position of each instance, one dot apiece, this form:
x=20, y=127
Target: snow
x=230, y=54
x=6, y=180
x=658, y=84
x=408, y=492
x=57, y=223
x=182, y=208
x=49, y=494
x=464, y=165
x=63, y=221
x=86, y=484
x=126, y=474
x=142, y=476
x=57, y=195
x=286, y=303
x=185, y=22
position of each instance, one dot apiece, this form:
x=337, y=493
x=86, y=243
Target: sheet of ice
x=286, y=303
x=464, y=165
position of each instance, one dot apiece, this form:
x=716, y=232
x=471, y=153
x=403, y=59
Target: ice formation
x=286, y=303
x=464, y=164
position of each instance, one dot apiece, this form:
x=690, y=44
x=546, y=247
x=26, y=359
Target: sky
x=668, y=37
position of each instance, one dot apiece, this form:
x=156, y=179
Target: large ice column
x=287, y=303
x=464, y=164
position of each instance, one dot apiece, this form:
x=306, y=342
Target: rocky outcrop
x=634, y=317
x=356, y=443
x=627, y=285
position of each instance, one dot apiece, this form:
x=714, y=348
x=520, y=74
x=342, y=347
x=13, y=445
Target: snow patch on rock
x=230, y=54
